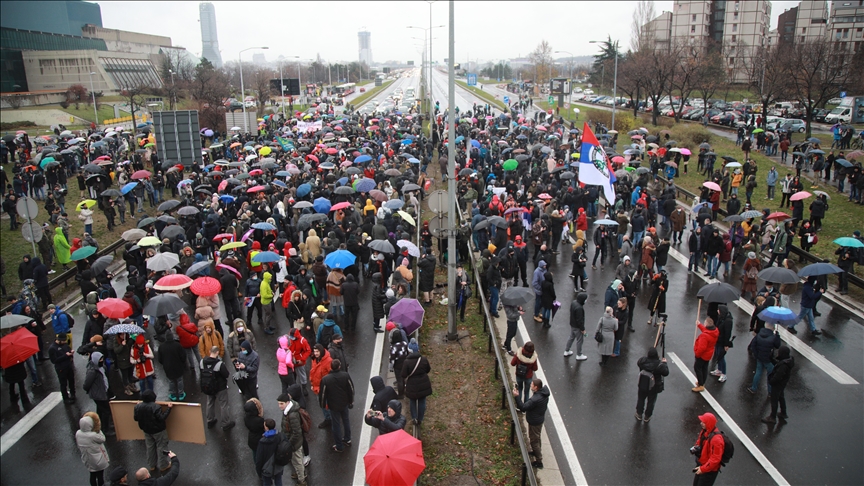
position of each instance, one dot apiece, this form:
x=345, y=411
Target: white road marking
x=13, y=435
x=793, y=341
x=366, y=432
x=732, y=426
x=558, y=422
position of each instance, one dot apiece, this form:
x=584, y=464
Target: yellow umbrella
x=232, y=245
x=89, y=203
x=265, y=150
x=307, y=117
x=260, y=119
x=407, y=217
x=149, y=241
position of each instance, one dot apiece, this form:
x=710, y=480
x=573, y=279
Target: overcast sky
x=485, y=31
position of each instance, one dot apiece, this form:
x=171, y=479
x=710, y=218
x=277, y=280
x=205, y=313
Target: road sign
x=31, y=232
x=27, y=208
x=507, y=100
x=439, y=226
x=551, y=100
x=472, y=79
x=437, y=201
x=842, y=94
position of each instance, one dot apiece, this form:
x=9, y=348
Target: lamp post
x=451, y=183
x=242, y=89
x=614, y=81
x=428, y=30
x=93, y=93
x=173, y=91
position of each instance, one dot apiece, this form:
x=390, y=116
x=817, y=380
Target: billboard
x=559, y=86
x=178, y=134
x=410, y=63
x=292, y=86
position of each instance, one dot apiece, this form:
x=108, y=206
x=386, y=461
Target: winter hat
x=390, y=326
x=246, y=345
x=615, y=284
x=96, y=338
x=405, y=262
x=626, y=258
x=139, y=340
x=751, y=255
x=117, y=474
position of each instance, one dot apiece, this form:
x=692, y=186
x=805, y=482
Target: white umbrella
x=163, y=261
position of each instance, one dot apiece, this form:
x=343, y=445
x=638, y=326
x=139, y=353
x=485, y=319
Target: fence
x=501, y=372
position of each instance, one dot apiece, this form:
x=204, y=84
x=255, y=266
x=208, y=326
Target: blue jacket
x=809, y=296
x=771, y=180
x=327, y=323
x=59, y=321
x=538, y=277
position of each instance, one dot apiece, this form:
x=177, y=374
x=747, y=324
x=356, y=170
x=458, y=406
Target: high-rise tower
x=209, y=37
x=365, y=43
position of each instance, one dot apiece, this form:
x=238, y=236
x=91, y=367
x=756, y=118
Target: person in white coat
x=91, y=443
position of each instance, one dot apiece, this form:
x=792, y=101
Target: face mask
x=240, y=329
x=245, y=352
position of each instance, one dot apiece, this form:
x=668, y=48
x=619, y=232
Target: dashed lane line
x=20, y=429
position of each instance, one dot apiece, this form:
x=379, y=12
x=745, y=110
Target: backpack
x=728, y=446
x=779, y=374
x=521, y=370
x=326, y=336
x=104, y=292
x=753, y=273
x=208, y=378
x=305, y=420
x=284, y=451
x=70, y=320
x=646, y=381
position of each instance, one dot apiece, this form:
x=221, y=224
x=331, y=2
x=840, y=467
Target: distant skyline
x=485, y=31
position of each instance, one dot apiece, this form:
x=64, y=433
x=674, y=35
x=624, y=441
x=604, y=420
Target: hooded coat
x=236, y=338
x=535, y=407
x=313, y=243
x=61, y=247
x=388, y=424
x=415, y=372
x=284, y=357
x=530, y=361
x=703, y=348
x=91, y=443
x=538, y=278
x=383, y=394
x=96, y=381
x=712, y=450
x=254, y=421
x=320, y=369
x=266, y=289
x=378, y=298
x=607, y=324
x=652, y=364
x=577, y=311
x=427, y=273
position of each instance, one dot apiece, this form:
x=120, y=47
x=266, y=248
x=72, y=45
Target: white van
x=839, y=115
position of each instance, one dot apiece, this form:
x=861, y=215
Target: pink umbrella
x=636, y=137
x=341, y=205
x=256, y=172
x=223, y=185
x=256, y=189
x=711, y=185
x=229, y=267
x=547, y=196
x=346, y=163
x=541, y=128
x=312, y=157
x=800, y=195
x=513, y=210
x=331, y=151
x=247, y=235
x=141, y=174
x=685, y=151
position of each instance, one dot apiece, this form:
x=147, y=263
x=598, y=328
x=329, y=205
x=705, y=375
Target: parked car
x=835, y=101
x=774, y=122
x=362, y=90
x=794, y=125
x=820, y=114
x=234, y=106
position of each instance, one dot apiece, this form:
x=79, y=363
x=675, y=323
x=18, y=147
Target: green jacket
x=62, y=247
x=266, y=289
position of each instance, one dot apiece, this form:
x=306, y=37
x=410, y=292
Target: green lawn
x=484, y=95
x=84, y=110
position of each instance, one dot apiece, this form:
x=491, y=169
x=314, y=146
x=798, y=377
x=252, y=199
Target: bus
x=344, y=89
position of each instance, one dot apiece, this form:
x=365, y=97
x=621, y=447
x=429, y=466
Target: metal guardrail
x=63, y=278
x=811, y=258
x=501, y=373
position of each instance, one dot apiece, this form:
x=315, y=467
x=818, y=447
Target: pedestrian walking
x=320, y=368
x=62, y=358
x=293, y=431
x=535, y=415
x=300, y=352
x=151, y=419
x=725, y=325
x=265, y=455
x=525, y=362
x=652, y=369
x=418, y=386
x=337, y=395
x=547, y=299
x=708, y=450
x=253, y=419
x=703, y=348
x=512, y=312
x=605, y=334
x=761, y=348
x=91, y=444
x=285, y=363
x=778, y=378
x=577, y=326
x=214, y=384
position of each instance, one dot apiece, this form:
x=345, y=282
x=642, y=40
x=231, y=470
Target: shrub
x=624, y=122
x=64, y=104
x=15, y=125
x=645, y=120
x=690, y=135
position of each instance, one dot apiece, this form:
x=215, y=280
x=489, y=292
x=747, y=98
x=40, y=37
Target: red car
x=362, y=90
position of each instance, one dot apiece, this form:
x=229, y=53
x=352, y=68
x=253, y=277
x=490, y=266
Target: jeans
x=88, y=228
x=575, y=335
x=146, y=384
x=713, y=264
x=271, y=480
x=418, y=409
x=771, y=192
x=493, y=300
x=523, y=385
x=175, y=387
x=637, y=237
x=807, y=313
x=538, y=305
x=340, y=426
x=720, y=355
x=616, y=350
x=761, y=365
x=547, y=314
x=31, y=369
x=155, y=444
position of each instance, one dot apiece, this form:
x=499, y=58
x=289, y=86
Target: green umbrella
x=510, y=164
x=629, y=169
x=83, y=252
x=849, y=242
x=45, y=161
x=758, y=130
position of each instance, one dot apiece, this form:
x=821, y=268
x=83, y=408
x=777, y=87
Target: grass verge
x=369, y=94
x=484, y=96
x=465, y=432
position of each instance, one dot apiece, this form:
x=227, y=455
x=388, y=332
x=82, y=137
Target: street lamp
x=93, y=93
x=173, y=91
x=428, y=30
x=614, y=81
x=242, y=89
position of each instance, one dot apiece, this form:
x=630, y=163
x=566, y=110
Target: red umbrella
x=395, y=459
x=173, y=282
x=220, y=236
x=256, y=189
x=103, y=157
x=341, y=205
x=114, y=308
x=332, y=151
x=206, y=286
x=372, y=128
x=800, y=195
x=256, y=172
x=541, y=128
x=223, y=185
x=229, y=267
x=544, y=196
x=312, y=157
x=779, y=216
x=17, y=347
x=142, y=174
x=711, y=185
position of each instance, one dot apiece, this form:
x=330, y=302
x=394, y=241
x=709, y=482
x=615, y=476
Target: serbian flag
x=594, y=166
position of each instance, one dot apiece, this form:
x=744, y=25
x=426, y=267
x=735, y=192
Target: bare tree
x=816, y=70
x=641, y=36
x=710, y=75
x=690, y=57
x=135, y=96
x=767, y=76
x=658, y=68
x=260, y=84
x=210, y=89
x=176, y=72
x=541, y=58
x=630, y=79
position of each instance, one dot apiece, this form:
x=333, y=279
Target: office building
x=847, y=24
x=658, y=32
x=364, y=39
x=209, y=36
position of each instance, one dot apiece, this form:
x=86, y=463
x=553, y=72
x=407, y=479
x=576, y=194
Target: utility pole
x=451, y=184
x=93, y=93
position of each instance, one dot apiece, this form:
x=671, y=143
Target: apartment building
x=847, y=24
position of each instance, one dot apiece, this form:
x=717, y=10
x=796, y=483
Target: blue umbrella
x=414, y=160
x=266, y=257
x=406, y=142
x=340, y=259
x=819, y=269
x=264, y=226
x=843, y=162
x=459, y=139
x=364, y=185
x=475, y=143
x=141, y=125
x=283, y=173
x=128, y=187
x=321, y=205
x=850, y=242
x=522, y=137
x=342, y=181
x=394, y=204
x=361, y=159
x=226, y=199
x=779, y=315
x=699, y=206
x=303, y=190
x=280, y=184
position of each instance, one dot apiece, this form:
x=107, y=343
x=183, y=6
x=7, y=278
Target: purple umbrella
x=247, y=235
x=409, y=313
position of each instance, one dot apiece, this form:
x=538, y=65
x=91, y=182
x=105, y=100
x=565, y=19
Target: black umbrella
x=819, y=269
x=718, y=292
x=522, y=157
x=163, y=304
x=172, y=231
x=466, y=171
x=146, y=222
x=382, y=246
x=733, y=218
x=92, y=168
x=169, y=205
x=167, y=219
x=498, y=221
x=188, y=211
x=307, y=220
x=482, y=225
x=204, y=190
x=779, y=275
x=110, y=193
x=728, y=158
x=517, y=296
x=101, y=264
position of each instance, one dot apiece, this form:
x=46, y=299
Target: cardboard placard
x=184, y=424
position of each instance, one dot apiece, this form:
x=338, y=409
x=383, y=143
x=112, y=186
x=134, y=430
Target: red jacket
x=582, y=220
x=187, y=332
x=299, y=348
x=703, y=348
x=712, y=451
